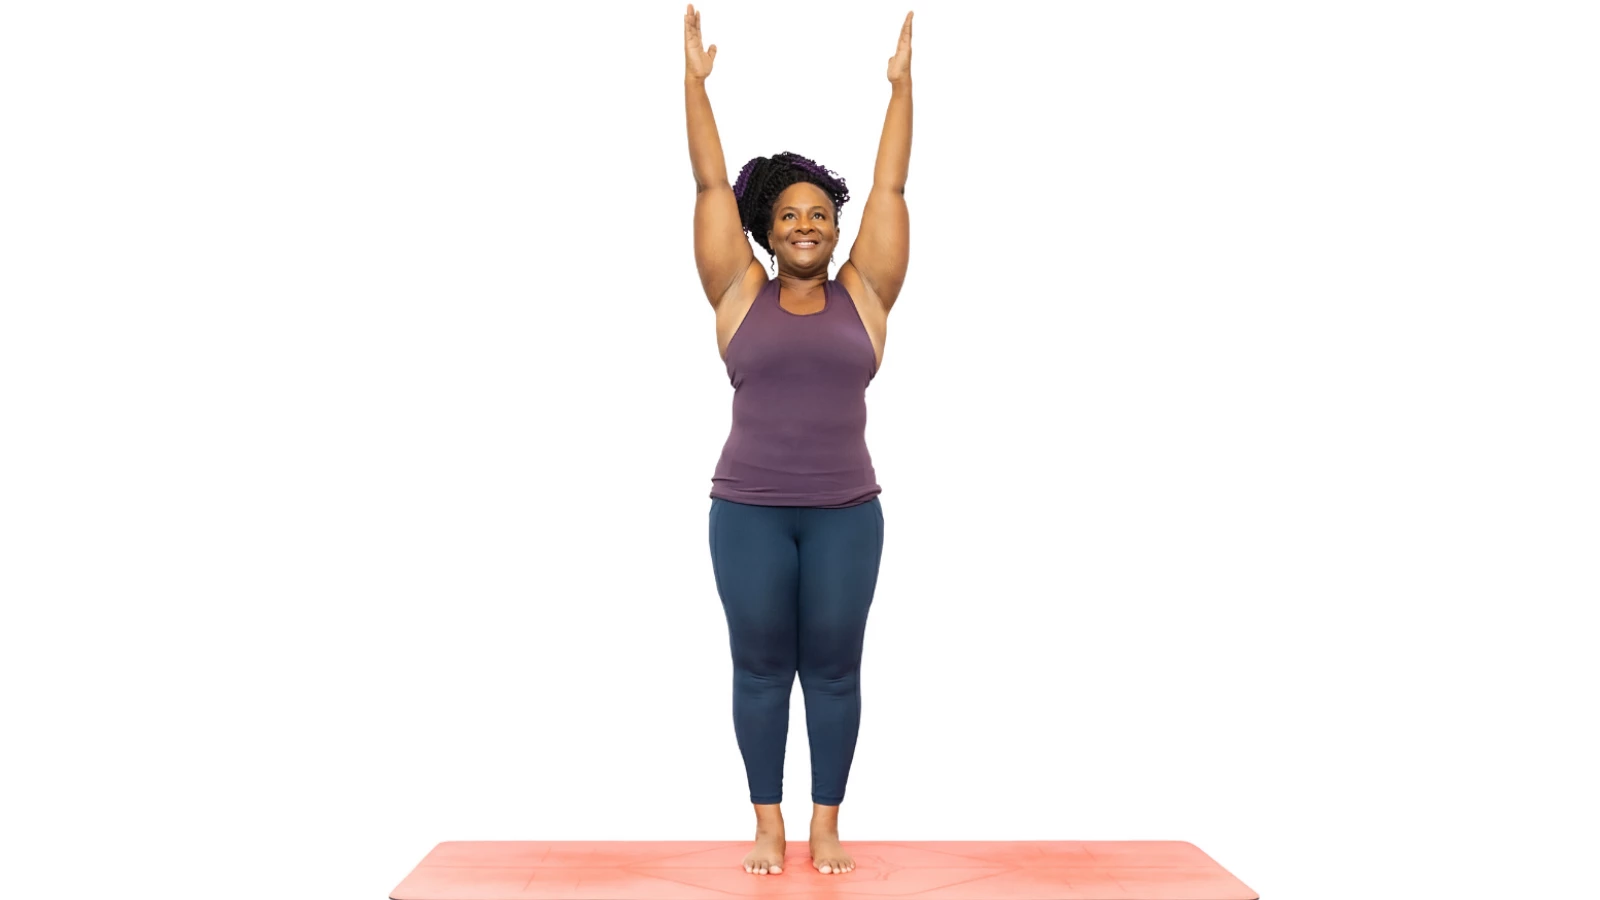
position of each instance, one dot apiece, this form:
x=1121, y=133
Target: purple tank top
x=799, y=406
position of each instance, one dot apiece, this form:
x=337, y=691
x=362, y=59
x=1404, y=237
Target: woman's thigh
x=757, y=569
x=840, y=553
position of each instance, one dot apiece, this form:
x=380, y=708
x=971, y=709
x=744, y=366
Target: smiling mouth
x=805, y=245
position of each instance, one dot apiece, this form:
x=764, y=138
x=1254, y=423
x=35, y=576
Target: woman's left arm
x=883, y=242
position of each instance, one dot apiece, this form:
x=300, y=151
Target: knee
x=839, y=680
x=765, y=657
x=764, y=672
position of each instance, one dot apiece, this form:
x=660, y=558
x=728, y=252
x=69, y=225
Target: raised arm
x=721, y=252
x=883, y=241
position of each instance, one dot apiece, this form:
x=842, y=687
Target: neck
x=793, y=283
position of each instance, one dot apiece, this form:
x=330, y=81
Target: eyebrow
x=816, y=206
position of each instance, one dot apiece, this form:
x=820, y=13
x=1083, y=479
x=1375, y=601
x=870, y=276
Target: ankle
x=769, y=818
x=824, y=818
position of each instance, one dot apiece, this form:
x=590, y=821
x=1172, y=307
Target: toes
x=834, y=866
x=760, y=868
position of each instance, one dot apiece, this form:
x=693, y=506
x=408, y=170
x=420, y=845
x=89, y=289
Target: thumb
x=712, y=51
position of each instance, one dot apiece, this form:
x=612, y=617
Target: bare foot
x=826, y=854
x=767, y=856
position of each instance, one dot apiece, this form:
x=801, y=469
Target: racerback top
x=799, y=406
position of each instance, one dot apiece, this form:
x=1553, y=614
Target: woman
x=796, y=524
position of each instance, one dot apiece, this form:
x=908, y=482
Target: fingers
x=691, y=28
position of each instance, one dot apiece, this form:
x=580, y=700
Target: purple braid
x=830, y=180
x=744, y=177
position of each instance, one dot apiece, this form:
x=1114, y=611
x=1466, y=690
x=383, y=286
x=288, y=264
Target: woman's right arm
x=721, y=251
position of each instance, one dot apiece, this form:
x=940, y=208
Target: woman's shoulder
x=849, y=280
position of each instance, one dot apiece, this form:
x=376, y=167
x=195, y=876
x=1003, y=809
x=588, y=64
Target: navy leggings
x=796, y=583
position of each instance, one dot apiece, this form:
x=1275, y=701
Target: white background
x=1237, y=434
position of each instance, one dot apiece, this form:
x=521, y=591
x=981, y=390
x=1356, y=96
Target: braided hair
x=761, y=181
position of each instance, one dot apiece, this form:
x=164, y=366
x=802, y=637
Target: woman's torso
x=800, y=364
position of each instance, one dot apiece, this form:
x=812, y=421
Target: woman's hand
x=900, y=63
x=696, y=59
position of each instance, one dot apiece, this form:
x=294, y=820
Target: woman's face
x=804, y=232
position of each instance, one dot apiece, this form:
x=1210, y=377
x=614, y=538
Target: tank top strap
x=768, y=296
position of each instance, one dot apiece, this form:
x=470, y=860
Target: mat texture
x=924, y=870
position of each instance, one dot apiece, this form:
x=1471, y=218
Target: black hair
x=761, y=181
